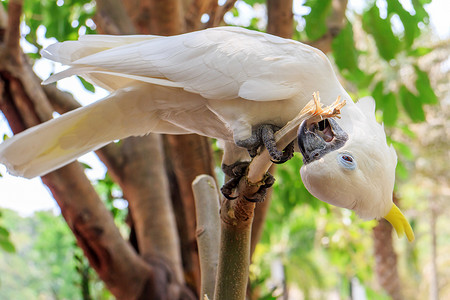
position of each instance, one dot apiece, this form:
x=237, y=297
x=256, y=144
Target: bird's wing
x=217, y=63
x=132, y=111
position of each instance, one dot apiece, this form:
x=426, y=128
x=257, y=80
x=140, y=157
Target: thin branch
x=217, y=14
x=208, y=230
x=237, y=215
x=12, y=36
x=195, y=11
x=280, y=18
x=112, y=17
x=234, y=257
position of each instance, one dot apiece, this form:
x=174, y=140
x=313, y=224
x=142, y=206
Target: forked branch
x=237, y=215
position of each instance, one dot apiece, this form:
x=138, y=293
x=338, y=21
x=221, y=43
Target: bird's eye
x=346, y=160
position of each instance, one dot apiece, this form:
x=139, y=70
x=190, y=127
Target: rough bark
x=280, y=18
x=25, y=104
x=190, y=156
x=126, y=274
x=142, y=173
x=386, y=260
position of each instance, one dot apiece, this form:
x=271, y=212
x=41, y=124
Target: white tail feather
x=48, y=146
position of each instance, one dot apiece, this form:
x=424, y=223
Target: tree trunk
x=386, y=260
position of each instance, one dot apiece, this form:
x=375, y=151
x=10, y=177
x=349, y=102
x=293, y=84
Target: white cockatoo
x=229, y=83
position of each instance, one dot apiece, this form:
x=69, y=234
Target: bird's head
x=347, y=163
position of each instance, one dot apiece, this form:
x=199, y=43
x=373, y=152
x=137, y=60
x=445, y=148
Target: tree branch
x=237, y=215
x=112, y=17
x=218, y=12
x=208, y=230
x=12, y=36
x=195, y=11
x=280, y=18
x=112, y=258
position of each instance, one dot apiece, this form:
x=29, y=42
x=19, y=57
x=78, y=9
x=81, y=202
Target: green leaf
x=401, y=171
x=88, y=86
x=387, y=103
x=410, y=23
x=388, y=44
x=423, y=86
x=316, y=20
x=86, y=166
x=377, y=94
x=390, y=109
x=421, y=13
x=7, y=245
x=253, y=2
x=407, y=131
x=4, y=233
x=344, y=51
x=419, y=51
x=403, y=149
x=412, y=105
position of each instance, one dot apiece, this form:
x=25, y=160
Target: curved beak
x=317, y=139
x=399, y=222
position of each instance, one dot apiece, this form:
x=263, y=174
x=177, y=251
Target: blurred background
x=396, y=51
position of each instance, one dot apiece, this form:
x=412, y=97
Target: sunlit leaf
x=410, y=22
x=7, y=246
x=423, y=86
x=408, y=132
x=316, y=26
x=4, y=232
x=387, y=103
x=377, y=94
x=421, y=13
x=88, y=86
x=401, y=171
x=403, y=149
x=253, y=2
x=86, y=166
x=344, y=51
x=419, y=51
x=388, y=44
x=412, y=105
x=390, y=109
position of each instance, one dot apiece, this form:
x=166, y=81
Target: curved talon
x=235, y=172
x=252, y=152
x=260, y=195
x=288, y=153
x=256, y=199
x=229, y=197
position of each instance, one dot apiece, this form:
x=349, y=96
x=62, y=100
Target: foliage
x=47, y=263
x=397, y=48
x=72, y=17
x=5, y=239
x=305, y=233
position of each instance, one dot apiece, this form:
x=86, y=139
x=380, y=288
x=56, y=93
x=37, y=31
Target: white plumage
x=219, y=82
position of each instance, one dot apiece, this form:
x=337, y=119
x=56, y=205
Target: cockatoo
x=229, y=83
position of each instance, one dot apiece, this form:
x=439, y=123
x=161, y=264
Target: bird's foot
x=235, y=171
x=238, y=170
x=264, y=184
x=264, y=135
x=315, y=108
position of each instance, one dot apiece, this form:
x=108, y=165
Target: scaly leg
x=264, y=135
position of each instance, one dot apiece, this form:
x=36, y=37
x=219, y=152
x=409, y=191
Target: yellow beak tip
x=399, y=222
